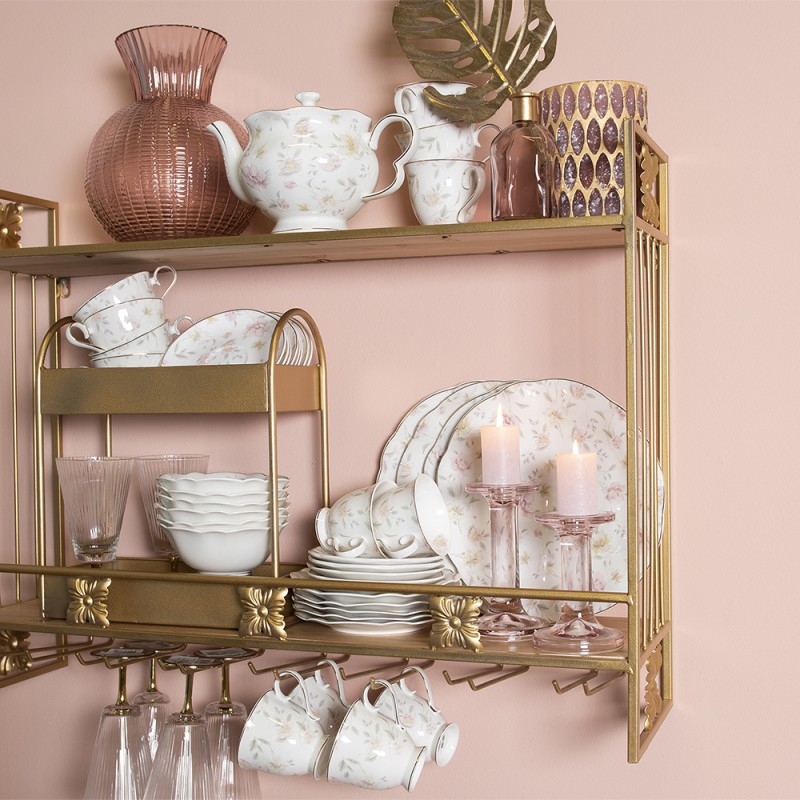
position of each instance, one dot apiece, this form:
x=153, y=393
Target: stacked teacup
x=382, y=533
x=125, y=325
x=445, y=180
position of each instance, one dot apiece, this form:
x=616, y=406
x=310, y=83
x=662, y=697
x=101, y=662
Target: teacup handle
x=405, y=94
x=403, y=551
x=336, y=671
x=404, y=685
x=477, y=190
x=155, y=282
x=174, y=327
x=388, y=690
x=78, y=326
x=290, y=673
x=401, y=160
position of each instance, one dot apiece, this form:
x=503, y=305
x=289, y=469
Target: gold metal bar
x=499, y=679
x=464, y=678
x=598, y=687
x=632, y=377
x=15, y=433
x=653, y=436
x=404, y=672
x=391, y=665
x=290, y=665
x=592, y=673
x=649, y=431
x=642, y=560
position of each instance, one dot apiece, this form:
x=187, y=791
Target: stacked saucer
x=369, y=613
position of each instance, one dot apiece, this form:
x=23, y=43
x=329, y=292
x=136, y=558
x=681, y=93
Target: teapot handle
x=401, y=160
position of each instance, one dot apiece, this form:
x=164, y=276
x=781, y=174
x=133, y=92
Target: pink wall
x=723, y=106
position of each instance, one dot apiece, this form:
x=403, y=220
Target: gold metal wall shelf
x=640, y=235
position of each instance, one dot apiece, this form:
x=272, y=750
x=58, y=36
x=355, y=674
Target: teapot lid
x=307, y=98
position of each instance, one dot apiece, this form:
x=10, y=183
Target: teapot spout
x=232, y=155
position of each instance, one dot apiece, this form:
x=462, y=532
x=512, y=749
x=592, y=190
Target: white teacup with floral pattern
x=282, y=736
x=373, y=750
x=346, y=527
x=447, y=140
x=327, y=702
x=445, y=191
x=118, y=324
x=134, y=287
x=410, y=100
x=154, y=341
x=420, y=717
x=412, y=519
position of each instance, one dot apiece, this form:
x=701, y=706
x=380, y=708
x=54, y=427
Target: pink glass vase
x=153, y=172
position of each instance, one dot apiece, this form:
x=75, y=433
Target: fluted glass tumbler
x=148, y=468
x=95, y=490
x=121, y=760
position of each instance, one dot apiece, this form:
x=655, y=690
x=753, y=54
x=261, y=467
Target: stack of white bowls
x=125, y=324
x=220, y=522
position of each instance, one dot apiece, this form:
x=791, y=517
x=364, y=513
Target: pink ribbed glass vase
x=153, y=171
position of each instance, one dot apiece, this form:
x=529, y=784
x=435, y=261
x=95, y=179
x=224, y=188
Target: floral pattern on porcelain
x=371, y=750
x=239, y=336
x=280, y=737
x=312, y=168
x=550, y=414
x=445, y=191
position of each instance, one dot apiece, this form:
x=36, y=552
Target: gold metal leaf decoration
x=455, y=623
x=89, y=603
x=652, y=695
x=648, y=178
x=263, y=612
x=14, y=654
x=485, y=54
x=10, y=225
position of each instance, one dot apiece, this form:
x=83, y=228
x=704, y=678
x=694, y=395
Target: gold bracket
x=470, y=679
x=455, y=622
x=88, y=601
x=263, y=612
x=405, y=672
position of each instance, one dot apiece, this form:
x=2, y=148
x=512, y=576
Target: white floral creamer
x=307, y=167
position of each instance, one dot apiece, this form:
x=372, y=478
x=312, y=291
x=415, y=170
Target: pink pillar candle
x=576, y=483
x=500, y=452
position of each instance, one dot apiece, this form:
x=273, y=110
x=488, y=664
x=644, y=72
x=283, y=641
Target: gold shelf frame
x=641, y=232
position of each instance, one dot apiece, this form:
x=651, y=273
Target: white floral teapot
x=307, y=167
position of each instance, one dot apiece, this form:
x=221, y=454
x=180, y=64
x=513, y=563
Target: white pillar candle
x=500, y=452
x=576, y=483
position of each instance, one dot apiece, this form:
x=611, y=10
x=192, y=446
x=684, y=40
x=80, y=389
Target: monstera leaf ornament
x=427, y=28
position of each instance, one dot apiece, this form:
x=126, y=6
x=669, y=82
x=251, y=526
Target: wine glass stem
x=225, y=694
x=187, y=699
x=122, y=692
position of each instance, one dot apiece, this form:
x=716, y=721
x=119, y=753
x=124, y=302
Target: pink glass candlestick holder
x=577, y=630
x=504, y=618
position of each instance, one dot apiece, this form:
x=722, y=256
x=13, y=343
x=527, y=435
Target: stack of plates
x=239, y=336
x=369, y=613
x=440, y=437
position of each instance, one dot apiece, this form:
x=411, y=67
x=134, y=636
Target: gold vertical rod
x=56, y=426
x=651, y=505
x=273, y=422
x=641, y=520
x=631, y=402
x=666, y=542
x=15, y=434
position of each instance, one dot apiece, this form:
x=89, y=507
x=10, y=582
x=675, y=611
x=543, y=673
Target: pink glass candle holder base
x=504, y=618
x=577, y=631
